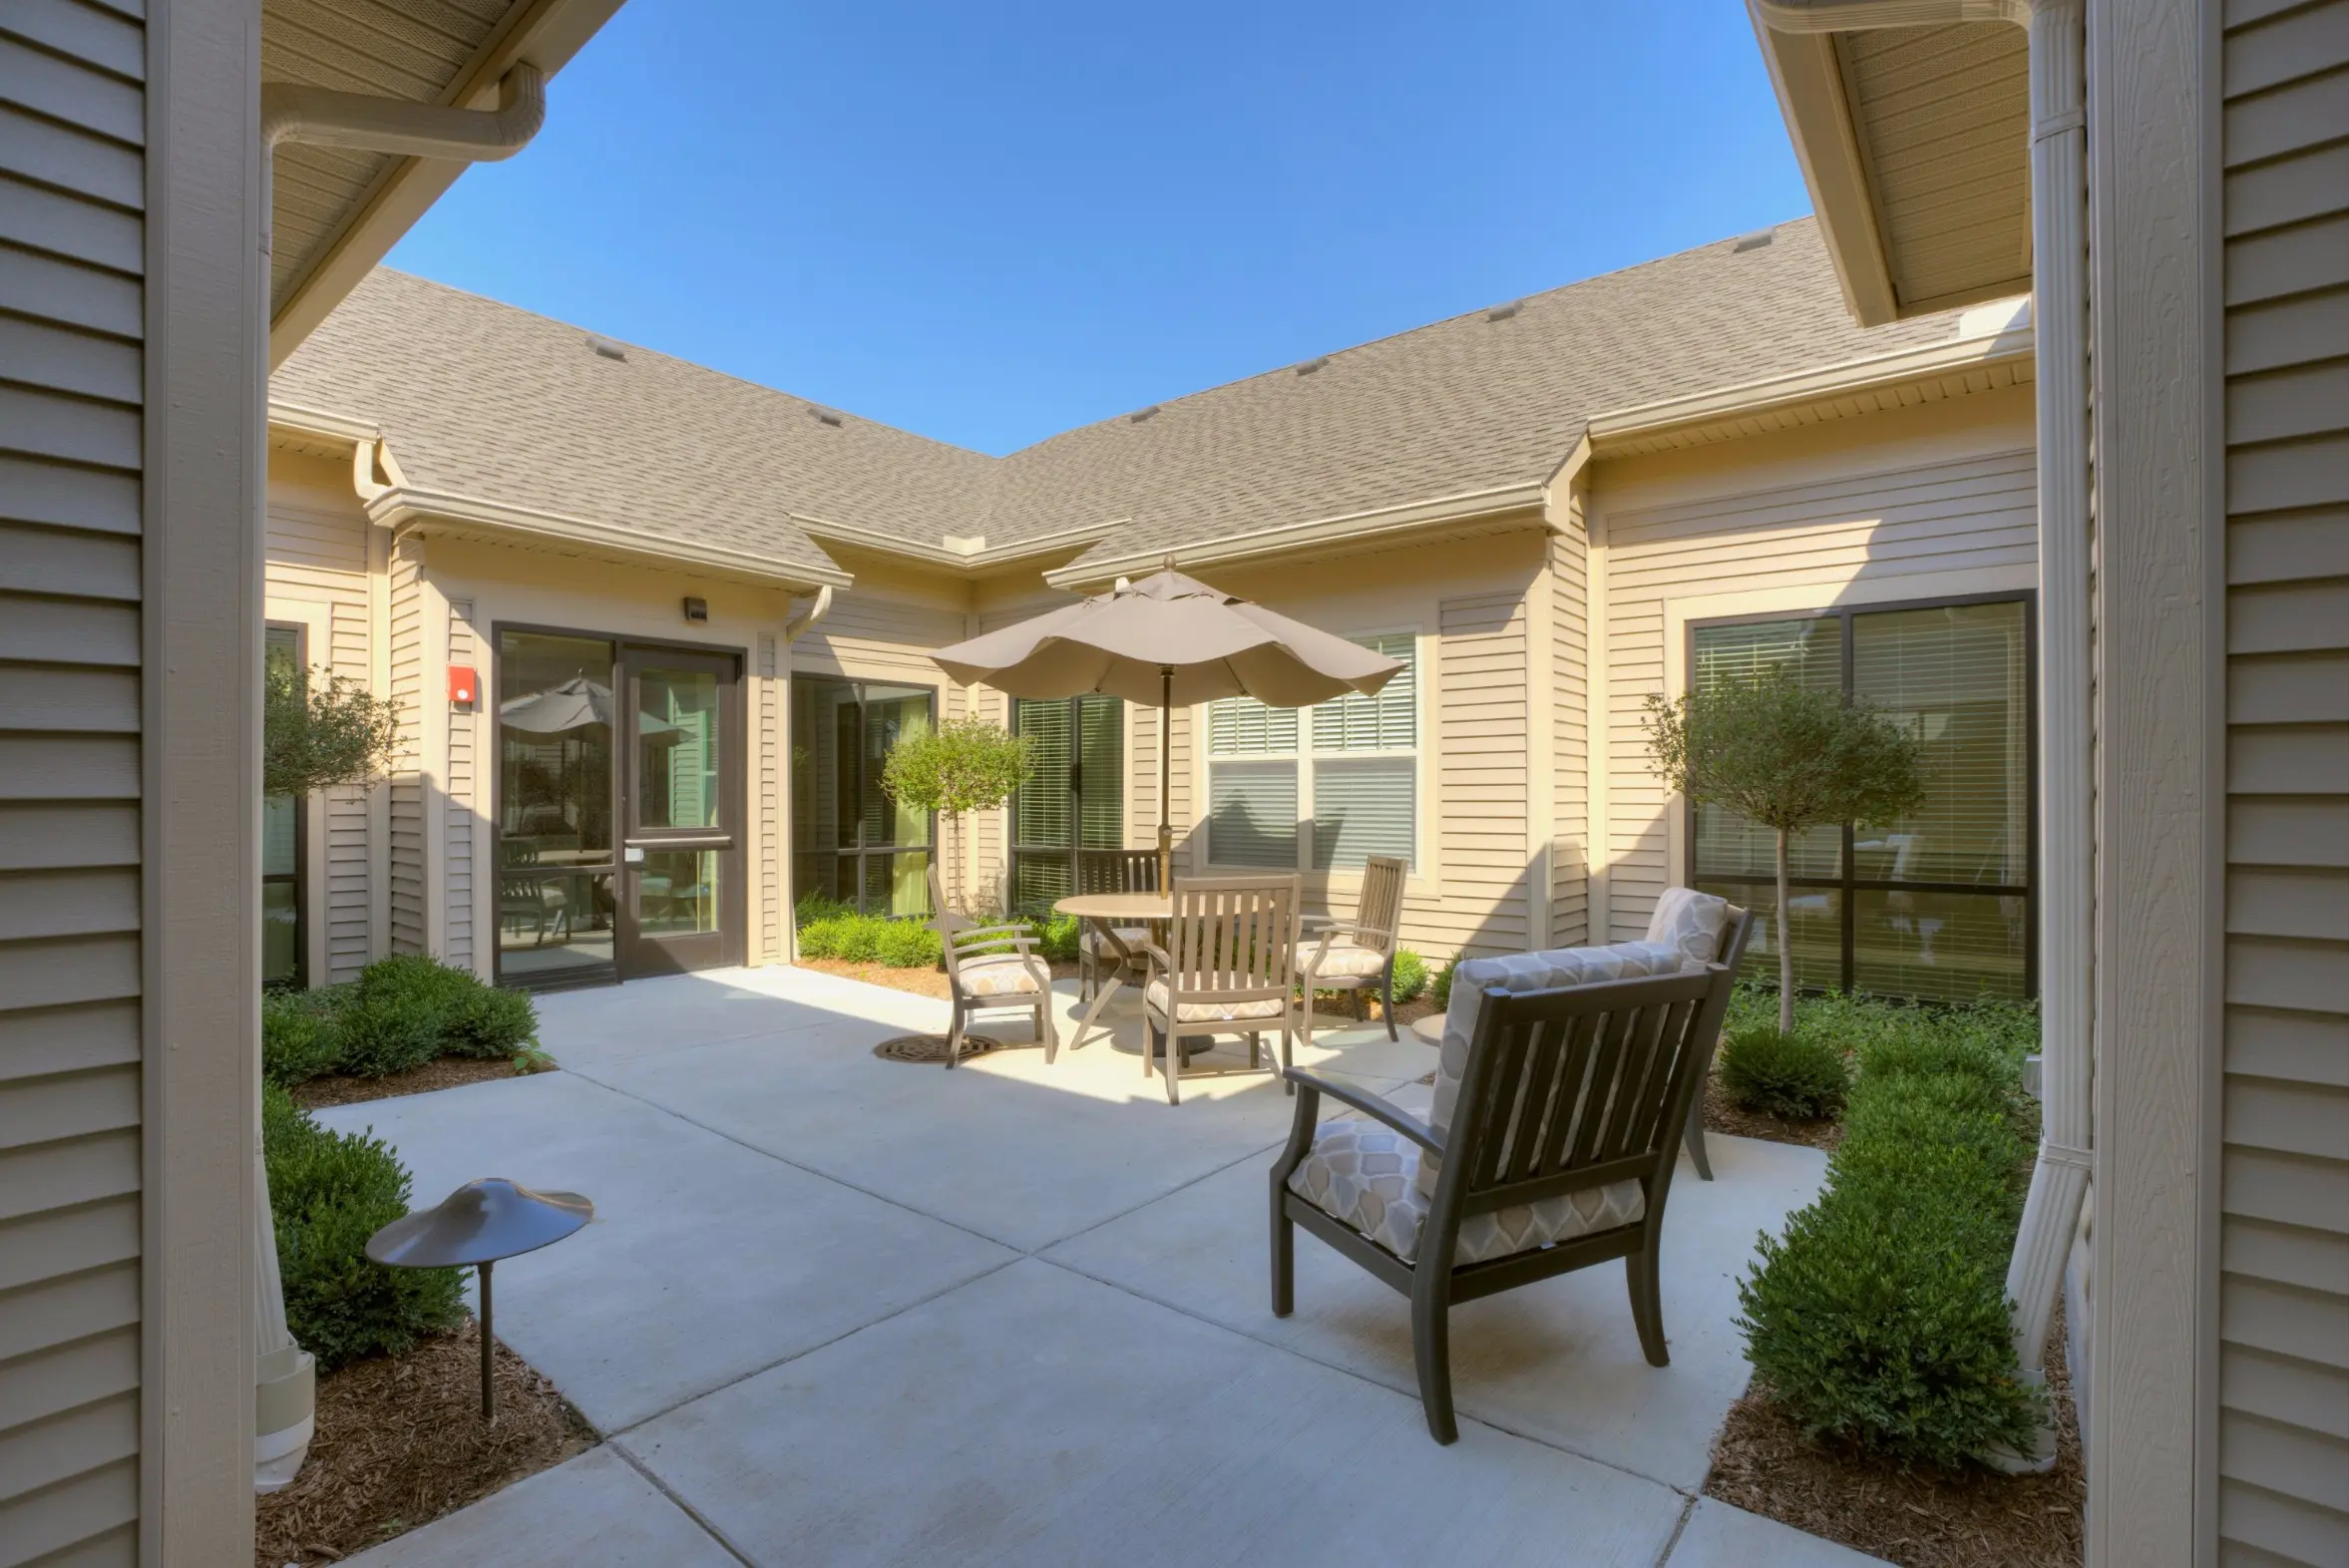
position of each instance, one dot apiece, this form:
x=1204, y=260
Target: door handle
x=633, y=854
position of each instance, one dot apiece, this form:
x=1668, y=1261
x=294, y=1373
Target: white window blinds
x=1343, y=780
x=1388, y=721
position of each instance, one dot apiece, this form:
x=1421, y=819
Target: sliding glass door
x=284, y=861
x=850, y=842
x=1937, y=905
x=1074, y=801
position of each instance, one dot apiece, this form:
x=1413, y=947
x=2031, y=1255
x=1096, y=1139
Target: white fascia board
x=407, y=503
x=1349, y=527
x=1810, y=386
x=1809, y=86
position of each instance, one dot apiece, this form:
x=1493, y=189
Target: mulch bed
x=400, y=1442
x=445, y=1072
x=1721, y=1116
x=1973, y=1518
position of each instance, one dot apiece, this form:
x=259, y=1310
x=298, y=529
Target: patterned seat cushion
x=1473, y=978
x=997, y=974
x=1367, y=1176
x=1094, y=941
x=1690, y=922
x=1344, y=960
x=1270, y=1007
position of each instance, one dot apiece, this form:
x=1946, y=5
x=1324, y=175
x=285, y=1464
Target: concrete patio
x=839, y=1310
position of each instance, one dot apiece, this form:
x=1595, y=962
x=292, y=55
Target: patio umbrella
x=1168, y=639
x=575, y=704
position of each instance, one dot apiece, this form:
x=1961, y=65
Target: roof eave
x=962, y=555
x=1809, y=85
x=399, y=505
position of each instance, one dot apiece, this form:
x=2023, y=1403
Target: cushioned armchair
x=991, y=968
x=1108, y=947
x=1357, y=956
x=1229, y=966
x=1565, y=1085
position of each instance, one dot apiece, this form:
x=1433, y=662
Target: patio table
x=1114, y=909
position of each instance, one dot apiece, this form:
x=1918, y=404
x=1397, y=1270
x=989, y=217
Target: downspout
x=2067, y=818
x=286, y=1391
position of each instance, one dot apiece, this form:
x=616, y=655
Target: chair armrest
x=1369, y=1105
x=1156, y=953
x=994, y=934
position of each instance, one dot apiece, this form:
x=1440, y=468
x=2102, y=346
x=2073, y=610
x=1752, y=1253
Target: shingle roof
x=483, y=399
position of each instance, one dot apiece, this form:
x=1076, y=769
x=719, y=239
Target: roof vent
x=1503, y=312
x=1753, y=240
x=825, y=416
x=1312, y=365
x=1141, y=414
x=608, y=348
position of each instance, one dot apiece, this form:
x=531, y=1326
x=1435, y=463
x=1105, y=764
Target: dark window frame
x=861, y=852
x=1848, y=885
x=300, y=979
x=1074, y=790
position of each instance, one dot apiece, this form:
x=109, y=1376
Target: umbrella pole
x=1165, y=772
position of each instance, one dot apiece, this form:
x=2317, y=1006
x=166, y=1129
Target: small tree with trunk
x=319, y=733
x=1789, y=757
x=963, y=765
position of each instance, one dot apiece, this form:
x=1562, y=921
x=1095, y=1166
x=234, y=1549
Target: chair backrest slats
x=1117, y=871
x=1571, y=1088
x=1234, y=936
x=1380, y=906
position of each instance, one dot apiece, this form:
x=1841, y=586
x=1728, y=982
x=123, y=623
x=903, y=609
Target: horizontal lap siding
x=317, y=552
x=460, y=804
x=407, y=869
x=2283, y=1372
x=1483, y=774
x=767, y=944
x=72, y=370
x=1962, y=514
x=1569, y=721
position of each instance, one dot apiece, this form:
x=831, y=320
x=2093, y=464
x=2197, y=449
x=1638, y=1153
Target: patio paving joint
x=1679, y=1527
x=700, y=1521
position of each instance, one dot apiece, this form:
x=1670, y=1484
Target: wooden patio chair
x=1549, y=1147
x=1114, y=948
x=1229, y=966
x=991, y=968
x=1701, y=926
x=1359, y=954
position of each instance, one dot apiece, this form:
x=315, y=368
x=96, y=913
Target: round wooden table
x=1112, y=909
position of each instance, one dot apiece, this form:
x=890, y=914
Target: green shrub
x=814, y=906
x=387, y=1034
x=1880, y=1318
x=301, y=1034
x=1057, y=938
x=1796, y=1077
x=329, y=1192
x=820, y=938
x=1410, y=975
x=1442, y=994
x=906, y=945
x=490, y=1022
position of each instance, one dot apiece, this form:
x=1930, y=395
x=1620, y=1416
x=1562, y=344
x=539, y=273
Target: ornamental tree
x=317, y=734
x=963, y=765
x=1789, y=757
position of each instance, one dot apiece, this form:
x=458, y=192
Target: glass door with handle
x=681, y=903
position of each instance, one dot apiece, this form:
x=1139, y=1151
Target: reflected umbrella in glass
x=478, y=1224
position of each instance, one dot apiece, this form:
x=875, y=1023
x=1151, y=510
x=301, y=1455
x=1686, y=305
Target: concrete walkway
x=838, y=1310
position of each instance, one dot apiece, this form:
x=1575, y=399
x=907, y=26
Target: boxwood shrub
x=1410, y=977
x=1880, y=1318
x=328, y=1192
x=401, y=1013
x=301, y=1034
x=1796, y=1077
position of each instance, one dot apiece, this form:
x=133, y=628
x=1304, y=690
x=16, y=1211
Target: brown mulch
x=1721, y=1116
x=400, y=1442
x=444, y=1072
x=1973, y=1518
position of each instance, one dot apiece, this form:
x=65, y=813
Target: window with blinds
x=1937, y=905
x=1074, y=800
x=1321, y=792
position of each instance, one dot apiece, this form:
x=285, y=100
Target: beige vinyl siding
x=1569, y=723
x=1478, y=902
x=2283, y=1367
x=317, y=552
x=766, y=941
x=1962, y=514
x=459, y=805
x=410, y=930
x=71, y=188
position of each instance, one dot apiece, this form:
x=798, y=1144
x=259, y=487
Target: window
x=1937, y=905
x=1323, y=789
x=1074, y=801
x=851, y=842
x=283, y=861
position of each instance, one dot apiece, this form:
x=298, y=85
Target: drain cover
x=933, y=1047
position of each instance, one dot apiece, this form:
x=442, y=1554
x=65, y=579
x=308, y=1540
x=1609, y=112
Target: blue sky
x=988, y=222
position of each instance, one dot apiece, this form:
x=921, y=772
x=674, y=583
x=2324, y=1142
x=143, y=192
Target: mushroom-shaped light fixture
x=478, y=1224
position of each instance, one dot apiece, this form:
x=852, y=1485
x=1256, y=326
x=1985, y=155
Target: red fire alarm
x=464, y=685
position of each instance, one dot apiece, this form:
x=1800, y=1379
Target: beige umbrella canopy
x=1168, y=639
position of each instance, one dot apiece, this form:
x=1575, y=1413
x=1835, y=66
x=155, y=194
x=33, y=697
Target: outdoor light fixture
x=478, y=1224
x=697, y=610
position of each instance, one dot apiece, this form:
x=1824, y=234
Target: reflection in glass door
x=682, y=861
x=283, y=832
x=851, y=843
x=556, y=861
